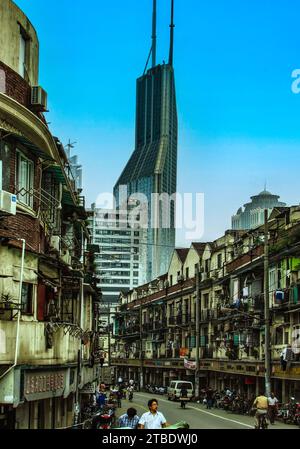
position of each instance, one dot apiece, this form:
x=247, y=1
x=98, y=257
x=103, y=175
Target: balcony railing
x=48, y=204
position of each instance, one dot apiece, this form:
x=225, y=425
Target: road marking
x=207, y=413
x=222, y=417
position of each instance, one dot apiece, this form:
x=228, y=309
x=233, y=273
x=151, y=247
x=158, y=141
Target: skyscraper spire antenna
x=172, y=26
x=154, y=34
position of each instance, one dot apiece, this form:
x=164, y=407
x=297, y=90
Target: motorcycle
x=283, y=413
x=104, y=419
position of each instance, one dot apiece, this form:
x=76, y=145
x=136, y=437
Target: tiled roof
x=182, y=253
x=199, y=247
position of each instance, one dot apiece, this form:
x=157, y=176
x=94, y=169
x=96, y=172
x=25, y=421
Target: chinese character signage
x=44, y=384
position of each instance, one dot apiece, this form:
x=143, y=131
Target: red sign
x=249, y=380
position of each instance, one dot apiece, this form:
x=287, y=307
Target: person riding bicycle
x=183, y=397
x=261, y=404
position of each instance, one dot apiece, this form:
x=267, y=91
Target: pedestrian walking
x=209, y=398
x=272, y=407
x=152, y=419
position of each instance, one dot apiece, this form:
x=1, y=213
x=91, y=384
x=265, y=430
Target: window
x=135, y=266
x=135, y=242
x=206, y=266
x=25, y=172
x=136, y=233
x=22, y=56
x=187, y=272
x=171, y=280
x=135, y=273
x=206, y=300
x=135, y=257
x=219, y=260
x=27, y=296
x=279, y=336
x=235, y=289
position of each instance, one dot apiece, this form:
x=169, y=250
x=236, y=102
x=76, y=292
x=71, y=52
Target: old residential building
x=48, y=297
x=231, y=313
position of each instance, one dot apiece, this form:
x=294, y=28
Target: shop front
x=46, y=399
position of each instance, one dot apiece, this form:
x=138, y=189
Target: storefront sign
x=44, y=384
x=189, y=364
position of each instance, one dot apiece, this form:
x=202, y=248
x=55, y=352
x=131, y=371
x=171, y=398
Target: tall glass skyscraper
x=152, y=167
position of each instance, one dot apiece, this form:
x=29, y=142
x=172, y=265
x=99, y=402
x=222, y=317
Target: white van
x=175, y=387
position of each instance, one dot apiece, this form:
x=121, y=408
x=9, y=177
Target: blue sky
x=239, y=122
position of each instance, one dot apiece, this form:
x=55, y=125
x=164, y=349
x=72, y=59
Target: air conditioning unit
x=39, y=97
x=8, y=203
x=55, y=242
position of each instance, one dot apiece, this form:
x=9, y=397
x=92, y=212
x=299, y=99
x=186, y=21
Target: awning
x=87, y=288
x=26, y=143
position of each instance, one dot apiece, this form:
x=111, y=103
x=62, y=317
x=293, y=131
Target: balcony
x=9, y=308
x=33, y=344
x=160, y=324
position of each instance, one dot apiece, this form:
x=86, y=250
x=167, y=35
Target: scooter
x=104, y=419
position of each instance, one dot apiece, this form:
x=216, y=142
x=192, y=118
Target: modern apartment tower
x=119, y=265
x=152, y=167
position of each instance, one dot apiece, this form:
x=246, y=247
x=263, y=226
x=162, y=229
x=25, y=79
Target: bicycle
x=262, y=420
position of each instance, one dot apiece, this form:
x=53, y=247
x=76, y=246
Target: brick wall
x=22, y=226
x=15, y=86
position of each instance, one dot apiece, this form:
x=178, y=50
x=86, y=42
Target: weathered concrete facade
x=49, y=341
x=13, y=24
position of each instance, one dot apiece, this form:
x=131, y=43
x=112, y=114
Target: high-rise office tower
x=152, y=167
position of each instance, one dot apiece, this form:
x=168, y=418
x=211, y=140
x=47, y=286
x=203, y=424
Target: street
x=197, y=416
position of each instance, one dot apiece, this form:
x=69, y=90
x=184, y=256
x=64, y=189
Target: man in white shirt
x=273, y=404
x=152, y=419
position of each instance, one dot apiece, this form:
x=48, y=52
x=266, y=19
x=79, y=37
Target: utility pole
x=197, y=368
x=267, y=308
x=141, y=349
x=109, y=328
